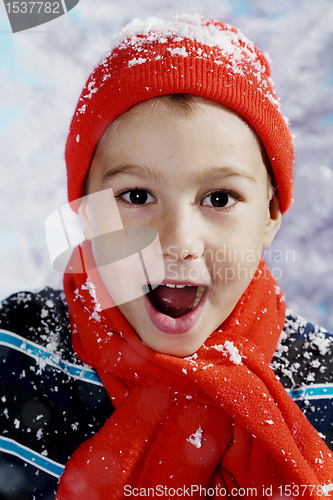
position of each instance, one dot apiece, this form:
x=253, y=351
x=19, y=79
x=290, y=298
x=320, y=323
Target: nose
x=181, y=233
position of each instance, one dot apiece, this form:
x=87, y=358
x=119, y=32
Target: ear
x=273, y=221
x=84, y=215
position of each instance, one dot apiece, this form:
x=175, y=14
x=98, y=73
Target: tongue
x=174, y=302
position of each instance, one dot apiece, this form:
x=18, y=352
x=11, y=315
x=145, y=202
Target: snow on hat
x=187, y=54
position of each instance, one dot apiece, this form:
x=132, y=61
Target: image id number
x=299, y=491
x=33, y=7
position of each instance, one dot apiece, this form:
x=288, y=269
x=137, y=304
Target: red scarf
x=214, y=424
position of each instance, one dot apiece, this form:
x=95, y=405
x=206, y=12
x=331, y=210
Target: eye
x=137, y=197
x=220, y=199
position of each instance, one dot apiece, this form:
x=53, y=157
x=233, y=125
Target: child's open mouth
x=175, y=308
x=176, y=300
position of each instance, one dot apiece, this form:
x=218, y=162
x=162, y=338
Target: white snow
x=92, y=90
x=42, y=362
x=139, y=60
x=229, y=348
x=321, y=341
x=183, y=26
x=196, y=438
x=39, y=434
x=44, y=313
x=97, y=306
x=177, y=51
x=327, y=488
x=82, y=109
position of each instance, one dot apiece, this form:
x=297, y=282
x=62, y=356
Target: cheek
x=244, y=232
x=133, y=312
x=234, y=255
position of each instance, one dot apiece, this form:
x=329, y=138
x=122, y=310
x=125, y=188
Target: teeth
x=170, y=285
x=198, y=297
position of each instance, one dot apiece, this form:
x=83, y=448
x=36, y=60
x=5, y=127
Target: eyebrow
x=139, y=171
x=216, y=173
x=208, y=174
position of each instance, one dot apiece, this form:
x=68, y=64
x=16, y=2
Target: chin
x=180, y=349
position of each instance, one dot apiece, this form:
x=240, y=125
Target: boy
x=181, y=122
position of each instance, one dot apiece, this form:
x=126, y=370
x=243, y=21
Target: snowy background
x=42, y=73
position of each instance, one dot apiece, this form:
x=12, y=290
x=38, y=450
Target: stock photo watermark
x=128, y=261
x=24, y=15
x=283, y=491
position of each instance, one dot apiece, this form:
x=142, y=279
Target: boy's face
x=200, y=181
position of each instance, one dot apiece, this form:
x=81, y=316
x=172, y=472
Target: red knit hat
x=188, y=55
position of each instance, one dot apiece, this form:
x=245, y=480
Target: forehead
x=198, y=133
x=176, y=106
